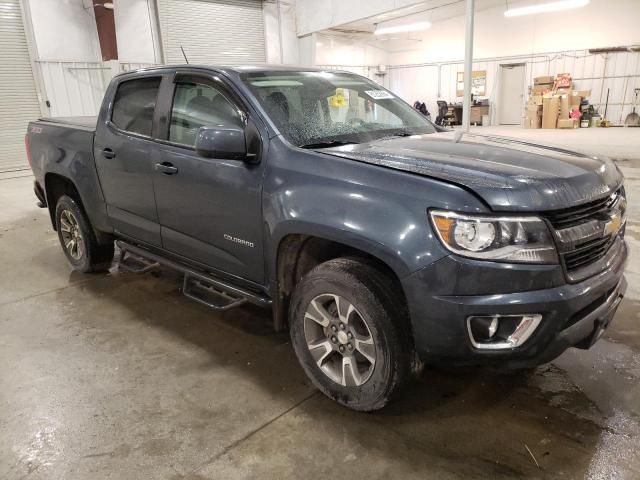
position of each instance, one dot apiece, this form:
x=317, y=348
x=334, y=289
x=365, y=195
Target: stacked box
x=550, y=111
x=535, y=100
x=533, y=116
x=543, y=80
x=551, y=102
x=568, y=123
x=541, y=89
x=564, y=107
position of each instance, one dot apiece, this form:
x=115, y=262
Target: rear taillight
x=26, y=147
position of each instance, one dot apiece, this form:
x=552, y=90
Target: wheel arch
x=297, y=254
x=55, y=186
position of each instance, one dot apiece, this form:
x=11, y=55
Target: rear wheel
x=78, y=239
x=349, y=329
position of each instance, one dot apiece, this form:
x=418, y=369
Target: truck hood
x=508, y=174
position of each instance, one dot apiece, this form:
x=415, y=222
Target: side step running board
x=217, y=299
x=199, y=286
x=133, y=263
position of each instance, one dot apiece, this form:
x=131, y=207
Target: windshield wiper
x=401, y=133
x=327, y=144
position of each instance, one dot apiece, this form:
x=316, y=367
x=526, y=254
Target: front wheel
x=78, y=240
x=350, y=333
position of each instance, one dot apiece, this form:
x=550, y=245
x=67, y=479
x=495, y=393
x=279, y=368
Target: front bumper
x=572, y=314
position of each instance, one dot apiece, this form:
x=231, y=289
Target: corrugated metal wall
x=18, y=97
x=619, y=72
x=214, y=32
x=77, y=88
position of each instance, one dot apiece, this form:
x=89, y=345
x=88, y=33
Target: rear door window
x=134, y=105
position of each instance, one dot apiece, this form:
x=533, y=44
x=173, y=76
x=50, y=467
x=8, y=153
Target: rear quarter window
x=134, y=104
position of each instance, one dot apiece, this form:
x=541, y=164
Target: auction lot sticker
x=378, y=94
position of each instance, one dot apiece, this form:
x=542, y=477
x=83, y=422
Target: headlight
x=497, y=238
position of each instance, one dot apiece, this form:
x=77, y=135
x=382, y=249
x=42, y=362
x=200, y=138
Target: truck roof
x=237, y=69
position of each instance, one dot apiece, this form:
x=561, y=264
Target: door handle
x=167, y=168
x=108, y=153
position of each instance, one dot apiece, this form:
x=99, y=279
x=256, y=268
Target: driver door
x=209, y=209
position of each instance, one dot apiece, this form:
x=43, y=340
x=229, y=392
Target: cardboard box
x=533, y=110
x=542, y=88
x=563, y=80
x=533, y=122
x=535, y=100
x=550, y=111
x=574, y=100
x=542, y=80
x=567, y=123
x=564, y=107
x=582, y=93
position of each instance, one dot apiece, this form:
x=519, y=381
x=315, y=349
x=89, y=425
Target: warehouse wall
x=547, y=44
x=602, y=23
x=280, y=32
x=136, y=31
x=316, y=15
x=621, y=73
x=337, y=50
x=69, y=61
x=64, y=30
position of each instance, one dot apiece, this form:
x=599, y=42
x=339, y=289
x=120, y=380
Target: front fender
x=380, y=211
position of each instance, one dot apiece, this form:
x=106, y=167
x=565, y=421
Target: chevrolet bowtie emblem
x=613, y=225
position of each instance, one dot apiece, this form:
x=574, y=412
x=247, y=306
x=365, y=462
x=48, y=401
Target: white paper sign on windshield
x=378, y=94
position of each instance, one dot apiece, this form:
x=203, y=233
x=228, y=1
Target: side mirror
x=221, y=142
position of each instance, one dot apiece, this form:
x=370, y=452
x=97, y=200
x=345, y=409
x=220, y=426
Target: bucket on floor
x=584, y=123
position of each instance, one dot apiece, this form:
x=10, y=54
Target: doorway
x=511, y=94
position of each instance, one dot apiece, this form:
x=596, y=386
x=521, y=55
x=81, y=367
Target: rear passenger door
x=209, y=209
x=124, y=153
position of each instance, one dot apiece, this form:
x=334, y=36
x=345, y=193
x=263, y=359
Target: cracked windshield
x=326, y=109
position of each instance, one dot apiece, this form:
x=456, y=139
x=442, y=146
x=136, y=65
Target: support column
x=468, y=65
x=106, y=24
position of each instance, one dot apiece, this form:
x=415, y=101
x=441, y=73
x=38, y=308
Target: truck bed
x=86, y=123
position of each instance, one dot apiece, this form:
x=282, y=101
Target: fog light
x=495, y=332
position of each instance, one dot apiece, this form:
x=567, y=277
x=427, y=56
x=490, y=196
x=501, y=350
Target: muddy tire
x=78, y=240
x=350, y=331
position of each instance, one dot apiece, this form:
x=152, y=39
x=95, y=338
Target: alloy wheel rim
x=339, y=340
x=71, y=235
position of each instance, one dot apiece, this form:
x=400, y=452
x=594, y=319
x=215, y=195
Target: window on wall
x=196, y=105
x=134, y=105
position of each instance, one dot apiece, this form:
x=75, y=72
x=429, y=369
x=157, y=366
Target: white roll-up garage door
x=18, y=98
x=213, y=32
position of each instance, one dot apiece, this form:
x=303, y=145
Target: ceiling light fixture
x=408, y=27
x=545, y=7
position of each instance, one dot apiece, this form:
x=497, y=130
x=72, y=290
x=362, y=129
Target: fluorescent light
x=408, y=27
x=545, y=7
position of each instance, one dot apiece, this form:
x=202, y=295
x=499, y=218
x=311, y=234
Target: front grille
x=569, y=217
x=587, y=253
x=580, y=231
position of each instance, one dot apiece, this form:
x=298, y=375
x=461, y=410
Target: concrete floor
x=119, y=376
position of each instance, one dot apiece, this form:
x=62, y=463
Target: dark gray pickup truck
x=379, y=240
